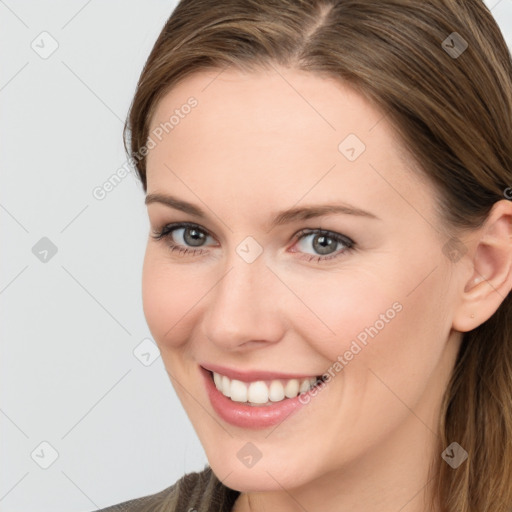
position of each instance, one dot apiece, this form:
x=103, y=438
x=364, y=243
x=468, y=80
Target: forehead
x=279, y=129
x=276, y=99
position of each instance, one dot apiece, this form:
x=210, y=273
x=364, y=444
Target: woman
x=329, y=267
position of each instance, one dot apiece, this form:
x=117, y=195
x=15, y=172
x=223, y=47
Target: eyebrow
x=283, y=217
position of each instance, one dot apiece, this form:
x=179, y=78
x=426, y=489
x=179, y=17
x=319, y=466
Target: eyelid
x=166, y=229
x=322, y=231
x=339, y=238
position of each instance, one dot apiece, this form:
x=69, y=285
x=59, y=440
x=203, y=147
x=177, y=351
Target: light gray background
x=74, y=372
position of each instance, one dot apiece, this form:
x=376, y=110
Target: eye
x=184, y=237
x=189, y=238
x=324, y=243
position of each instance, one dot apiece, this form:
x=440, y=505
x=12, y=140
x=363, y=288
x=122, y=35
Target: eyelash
x=166, y=231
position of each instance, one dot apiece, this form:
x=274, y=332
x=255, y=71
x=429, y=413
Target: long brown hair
x=442, y=73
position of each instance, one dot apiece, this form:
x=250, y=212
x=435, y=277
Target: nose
x=243, y=309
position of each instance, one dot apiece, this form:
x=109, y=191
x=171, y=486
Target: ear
x=491, y=279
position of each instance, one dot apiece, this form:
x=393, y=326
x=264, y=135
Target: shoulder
x=194, y=492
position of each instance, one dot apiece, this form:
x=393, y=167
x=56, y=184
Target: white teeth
x=238, y=391
x=226, y=386
x=305, y=386
x=259, y=392
x=291, y=389
x=218, y=380
x=276, y=391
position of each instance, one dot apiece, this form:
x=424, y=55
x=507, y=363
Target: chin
x=265, y=475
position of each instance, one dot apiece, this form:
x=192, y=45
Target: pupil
x=195, y=238
x=324, y=245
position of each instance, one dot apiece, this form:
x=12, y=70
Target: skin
x=261, y=142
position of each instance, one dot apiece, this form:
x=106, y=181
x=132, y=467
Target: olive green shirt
x=194, y=492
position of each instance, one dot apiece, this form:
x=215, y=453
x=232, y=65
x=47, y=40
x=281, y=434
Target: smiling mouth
x=263, y=392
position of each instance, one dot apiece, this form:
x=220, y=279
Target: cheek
x=395, y=339
x=376, y=318
x=169, y=294
x=346, y=309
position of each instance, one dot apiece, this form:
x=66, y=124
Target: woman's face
x=368, y=300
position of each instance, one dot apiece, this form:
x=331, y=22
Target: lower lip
x=248, y=416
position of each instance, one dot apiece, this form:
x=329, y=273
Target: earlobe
x=491, y=280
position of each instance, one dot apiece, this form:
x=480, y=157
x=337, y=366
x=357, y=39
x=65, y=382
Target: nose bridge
x=241, y=306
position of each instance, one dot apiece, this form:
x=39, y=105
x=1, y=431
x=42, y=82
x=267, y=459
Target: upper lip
x=253, y=375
